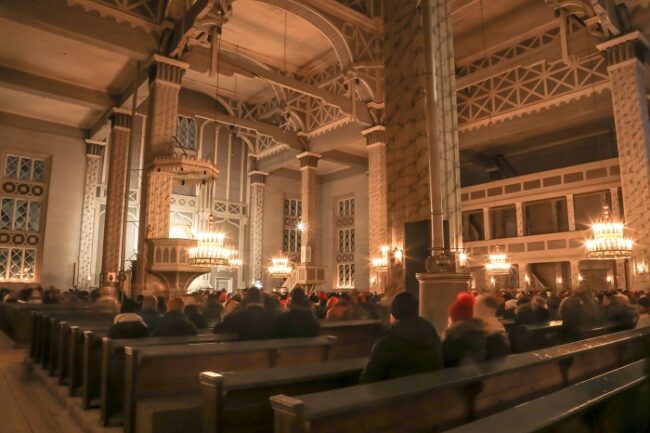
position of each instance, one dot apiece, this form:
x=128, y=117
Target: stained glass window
x=15, y=264
x=20, y=217
x=29, y=264
x=4, y=259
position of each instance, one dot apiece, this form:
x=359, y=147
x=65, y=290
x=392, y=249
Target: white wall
x=353, y=186
x=63, y=218
x=280, y=185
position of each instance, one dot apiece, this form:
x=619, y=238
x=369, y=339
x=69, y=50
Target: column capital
x=375, y=136
x=630, y=46
x=167, y=70
x=309, y=159
x=94, y=148
x=121, y=119
x=258, y=177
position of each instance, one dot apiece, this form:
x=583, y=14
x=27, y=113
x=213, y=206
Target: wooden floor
x=26, y=405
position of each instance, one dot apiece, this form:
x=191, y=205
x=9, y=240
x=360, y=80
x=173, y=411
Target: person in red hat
x=465, y=339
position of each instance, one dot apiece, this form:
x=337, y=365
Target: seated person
x=174, y=323
x=620, y=310
x=149, y=313
x=299, y=320
x=252, y=321
x=644, y=312
x=465, y=339
x=213, y=311
x=194, y=315
x=342, y=310
x=128, y=324
x=411, y=347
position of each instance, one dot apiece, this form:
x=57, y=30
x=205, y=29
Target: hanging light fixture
x=380, y=264
x=280, y=267
x=213, y=250
x=608, y=241
x=499, y=263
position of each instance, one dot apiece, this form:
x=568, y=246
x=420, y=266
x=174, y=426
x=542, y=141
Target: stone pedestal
x=437, y=292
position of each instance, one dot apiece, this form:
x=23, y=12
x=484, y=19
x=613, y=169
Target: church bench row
x=525, y=338
x=16, y=319
x=240, y=401
x=611, y=402
x=158, y=371
x=444, y=399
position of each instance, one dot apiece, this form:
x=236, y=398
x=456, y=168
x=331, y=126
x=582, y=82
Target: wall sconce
x=493, y=281
x=398, y=254
x=462, y=258
x=527, y=279
x=381, y=263
x=641, y=268
x=580, y=278
x=558, y=280
x=610, y=279
x=300, y=226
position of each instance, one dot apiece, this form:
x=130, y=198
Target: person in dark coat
x=251, y=322
x=465, y=339
x=411, y=347
x=149, y=313
x=128, y=324
x=174, y=323
x=299, y=320
x=524, y=314
x=194, y=315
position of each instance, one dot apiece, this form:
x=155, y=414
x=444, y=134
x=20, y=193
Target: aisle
x=26, y=406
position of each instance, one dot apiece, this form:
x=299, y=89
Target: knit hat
x=404, y=306
x=462, y=308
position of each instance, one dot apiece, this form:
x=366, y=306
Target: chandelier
x=213, y=251
x=499, y=263
x=608, y=242
x=380, y=264
x=280, y=267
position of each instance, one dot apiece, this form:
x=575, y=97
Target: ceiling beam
x=54, y=89
x=199, y=60
x=40, y=125
x=276, y=161
x=55, y=16
x=347, y=14
x=344, y=158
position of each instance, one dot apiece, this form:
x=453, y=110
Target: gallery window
x=186, y=132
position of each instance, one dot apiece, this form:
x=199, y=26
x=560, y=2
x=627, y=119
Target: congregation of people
x=475, y=333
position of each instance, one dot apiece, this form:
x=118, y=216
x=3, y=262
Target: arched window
x=186, y=132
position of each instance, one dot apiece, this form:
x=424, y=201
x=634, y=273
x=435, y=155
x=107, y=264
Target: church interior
x=300, y=216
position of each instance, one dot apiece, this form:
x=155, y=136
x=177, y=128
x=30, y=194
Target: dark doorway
x=417, y=241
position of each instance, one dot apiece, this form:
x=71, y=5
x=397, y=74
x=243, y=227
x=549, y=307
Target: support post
x=257, y=184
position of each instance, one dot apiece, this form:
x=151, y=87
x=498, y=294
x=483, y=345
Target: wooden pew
x=16, y=318
x=447, y=398
x=44, y=328
x=537, y=336
x=76, y=355
x=58, y=328
x=111, y=378
x=611, y=402
x=236, y=402
x=157, y=371
x=354, y=338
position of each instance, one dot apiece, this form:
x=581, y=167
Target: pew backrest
x=164, y=370
x=240, y=401
x=444, y=399
x=112, y=367
x=564, y=408
x=354, y=338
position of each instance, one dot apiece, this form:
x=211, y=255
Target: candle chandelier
x=380, y=264
x=214, y=251
x=280, y=267
x=499, y=263
x=608, y=241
